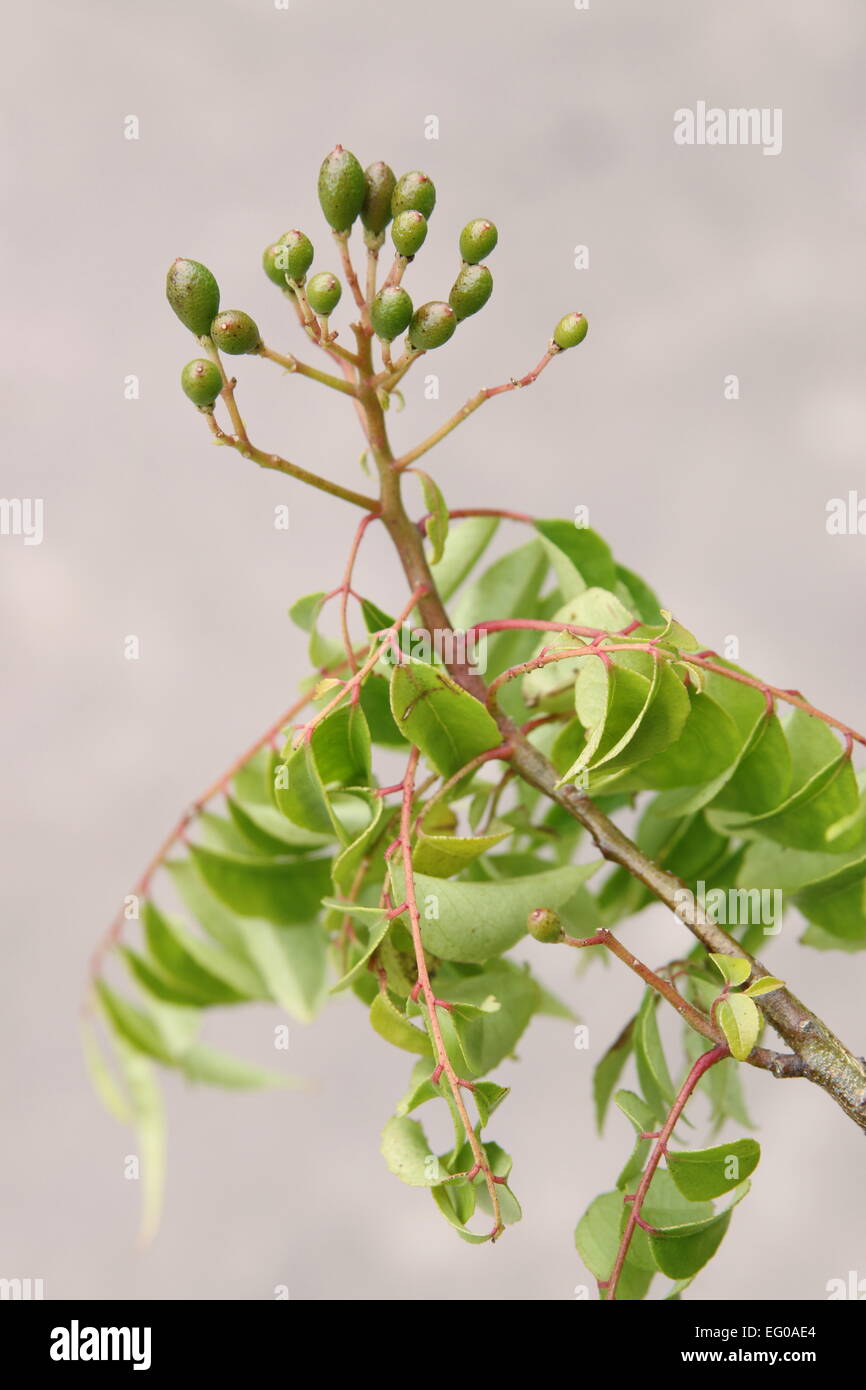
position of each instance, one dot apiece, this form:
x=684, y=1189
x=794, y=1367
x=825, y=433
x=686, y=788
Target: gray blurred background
x=558, y=124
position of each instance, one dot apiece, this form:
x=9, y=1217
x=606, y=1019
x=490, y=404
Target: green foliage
x=318, y=875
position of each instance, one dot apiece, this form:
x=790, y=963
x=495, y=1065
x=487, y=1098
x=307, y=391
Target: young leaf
x=765, y=985
x=740, y=1021
x=733, y=969
x=436, y=525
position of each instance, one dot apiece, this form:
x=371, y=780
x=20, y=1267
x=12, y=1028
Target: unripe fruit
x=471, y=290
x=414, y=192
x=544, y=925
x=235, y=332
x=570, y=331
x=432, y=325
x=477, y=240
x=290, y=257
x=390, y=312
x=342, y=188
x=408, y=232
x=379, y=182
x=201, y=381
x=323, y=293
x=193, y=294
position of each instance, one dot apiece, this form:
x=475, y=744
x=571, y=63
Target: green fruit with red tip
x=544, y=925
x=570, y=331
x=391, y=312
x=193, y=294
x=379, y=181
x=235, y=332
x=323, y=293
x=408, y=232
x=477, y=240
x=414, y=192
x=342, y=188
x=471, y=290
x=289, y=258
x=432, y=325
x=201, y=381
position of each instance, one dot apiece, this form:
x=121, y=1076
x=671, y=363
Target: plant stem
x=485, y=394
x=293, y=364
x=281, y=465
x=702, y=1065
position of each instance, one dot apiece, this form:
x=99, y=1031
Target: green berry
x=570, y=331
x=432, y=325
x=477, y=240
x=408, y=232
x=376, y=209
x=544, y=925
x=201, y=381
x=414, y=192
x=290, y=257
x=390, y=312
x=471, y=290
x=193, y=293
x=235, y=332
x=273, y=262
x=323, y=293
x=342, y=188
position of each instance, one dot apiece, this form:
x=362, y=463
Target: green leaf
x=102, y=1079
x=681, y=1250
x=446, y=723
x=376, y=704
x=376, y=620
x=740, y=1021
x=304, y=611
x=375, y=933
x=509, y=588
x=704, y=1173
x=608, y=1071
x=636, y=1111
x=341, y=747
x=708, y=744
x=551, y=687
x=652, y=1067
x=406, y=1150
x=470, y=922
x=212, y=975
x=590, y=562
x=466, y=543
x=148, y=1118
x=488, y=1096
x=734, y=970
x=487, y=1037
x=597, y=1238
x=443, y=855
x=284, y=891
x=765, y=985
x=138, y=1030
x=202, y=1063
x=396, y=1029
x=637, y=595
x=436, y=525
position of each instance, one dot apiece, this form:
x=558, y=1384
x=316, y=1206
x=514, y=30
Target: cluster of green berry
x=348, y=192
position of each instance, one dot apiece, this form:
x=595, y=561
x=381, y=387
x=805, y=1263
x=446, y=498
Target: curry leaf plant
x=551, y=701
